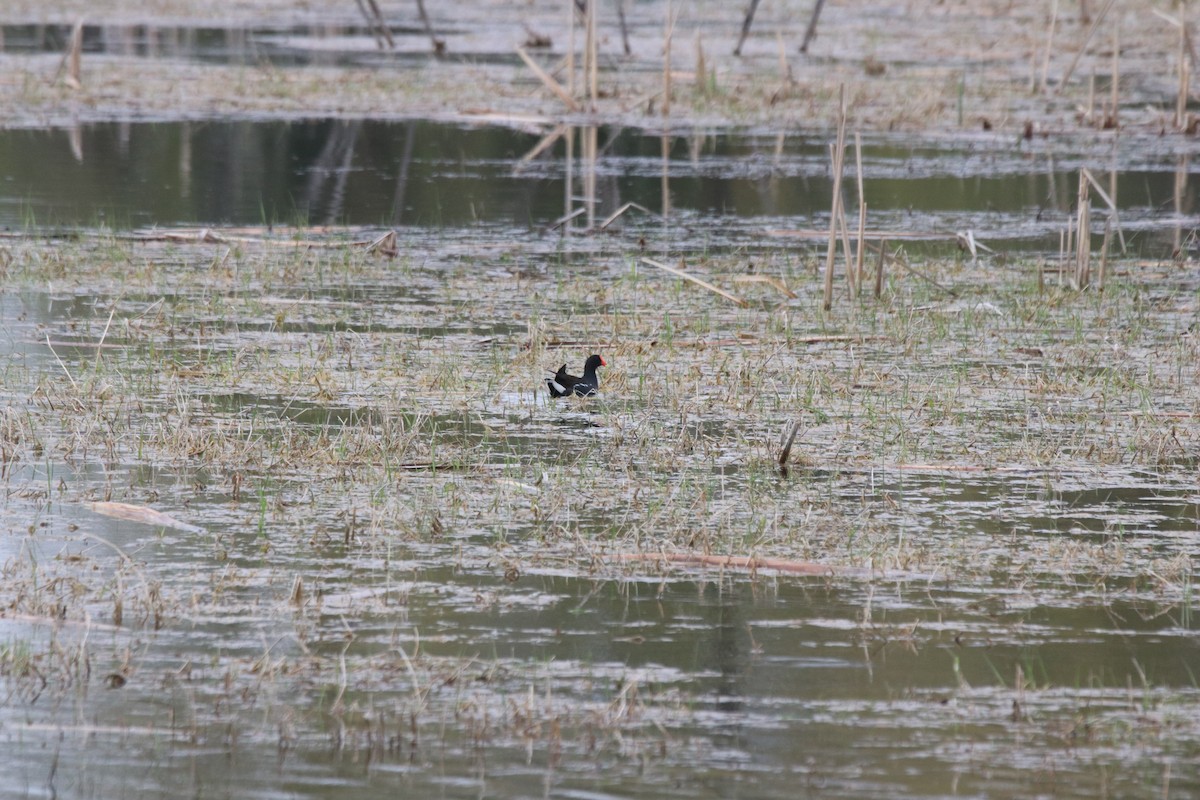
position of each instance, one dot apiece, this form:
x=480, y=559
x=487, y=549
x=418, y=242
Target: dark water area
x=283, y=47
x=726, y=188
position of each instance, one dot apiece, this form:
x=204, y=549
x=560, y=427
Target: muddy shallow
x=391, y=563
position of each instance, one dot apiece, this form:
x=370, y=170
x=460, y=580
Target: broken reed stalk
x=1185, y=72
x=836, y=152
x=1049, y=47
x=879, y=267
x=679, y=273
x=590, y=146
x=1083, y=249
x=668, y=30
x=789, y=438
x=548, y=81
x=1083, y=45
x=1113, y=120
x=862, y=215
x=571, y=48
x=844, y=230
x=72, y=60
x=1110, y=199
x=1103, y=268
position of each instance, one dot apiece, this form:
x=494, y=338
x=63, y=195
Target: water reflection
x=580, y=179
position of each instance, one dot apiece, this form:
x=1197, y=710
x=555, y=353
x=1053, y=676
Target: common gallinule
x=563, y=384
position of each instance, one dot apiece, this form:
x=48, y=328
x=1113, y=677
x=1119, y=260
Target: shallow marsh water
x=411, y=566
x=409, y=571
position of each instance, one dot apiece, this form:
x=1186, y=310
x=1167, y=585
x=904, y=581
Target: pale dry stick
x=569, y=180
x=1185, y=73
x=1110, y=200
x=565, y=218
x=1049, y=47
x=548, y=81
x=1115, y=86
x=72, y=59
x=104, y=335
x=1102, y=271
x=1083, y=249
x=543, y=144
x=61, y=364
x=590, y=145
x=701, y=68
x=785, y=66
x=571, y=47
x=1064, y=244
x=1090, y=110
x=621, y=211
x=862, y=214
x=698, y=281
x=879, y=267
x=668, y=33
x=837, y=150
x=1083, y=45
x=665, y=187
x=844, y=229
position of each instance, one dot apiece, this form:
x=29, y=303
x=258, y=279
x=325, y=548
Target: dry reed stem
x=1083, y=250
x=611, y=218
x=836, y=152
x=1110, y=199
x=698, y=281
x=668, y=35
x=548, y=81
x=1185, y=72
x=543, y=144
x=879, y=268
x=1115, y=86
x=862, y=214
x=72, y=60
x=1103, y=268
x=1083, y=45
x=571, y=47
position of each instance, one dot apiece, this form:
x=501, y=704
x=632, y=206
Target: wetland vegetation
x=287, y=510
